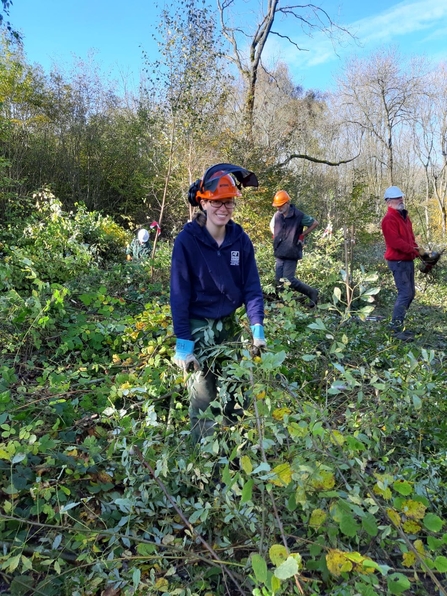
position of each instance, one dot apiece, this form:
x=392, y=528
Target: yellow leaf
x=419, y=546
x=162, y=584
x=246, y=464
x=383, y=492
x=394, y=516
x=408, y=559
x=337, y=563
x=325, y=480
x=278, y=554
x=411, y=527
x=116, y=358
x=104, y=477
x=337, y=438
x=414, y=509
x=317, y=518
x=280, y=413
x=260, y=395
x=283, y=475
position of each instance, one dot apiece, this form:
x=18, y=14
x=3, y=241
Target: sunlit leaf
x=278, y=554
x=287, y=569
x=283, y=475
x=337, y=562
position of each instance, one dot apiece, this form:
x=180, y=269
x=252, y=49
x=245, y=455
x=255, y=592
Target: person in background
x=401, y=250
x=289, y=227
x=213, y=273
x=140, y=247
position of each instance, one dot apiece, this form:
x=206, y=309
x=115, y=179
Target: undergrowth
x=332, y=480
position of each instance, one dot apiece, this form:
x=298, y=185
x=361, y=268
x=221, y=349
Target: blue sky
x=57, y=31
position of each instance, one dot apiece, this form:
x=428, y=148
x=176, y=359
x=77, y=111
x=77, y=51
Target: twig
x=186, y=522
x=272, y=498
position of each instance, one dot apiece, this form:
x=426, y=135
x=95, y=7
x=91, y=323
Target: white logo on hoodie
x=234, y=257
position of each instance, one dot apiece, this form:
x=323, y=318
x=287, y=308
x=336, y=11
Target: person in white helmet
x=140, y=247
x=401, y=250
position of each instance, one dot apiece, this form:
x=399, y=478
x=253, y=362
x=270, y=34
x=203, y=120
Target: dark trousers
x=287, y=268
x=403, y=272
x=203, y=385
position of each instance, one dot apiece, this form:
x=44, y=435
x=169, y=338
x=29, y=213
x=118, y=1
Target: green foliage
x=332, y=478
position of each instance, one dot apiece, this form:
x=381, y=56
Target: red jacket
x=399, y=237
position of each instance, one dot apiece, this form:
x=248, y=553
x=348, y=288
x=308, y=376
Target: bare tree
x=430, y=145
x=379, y=97
x=310, y=17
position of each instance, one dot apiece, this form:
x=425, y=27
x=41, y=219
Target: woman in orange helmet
x=213, y=273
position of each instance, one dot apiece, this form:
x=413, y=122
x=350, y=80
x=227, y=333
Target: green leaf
x=259, y=567
x=369, y=524
x=146, y=550
x=247, y=491
x=319, y=324
x=348, y=526
x=403, y=487
x=398, y=583
x=136, y=576
x=441, y=563
x=287, y=569
x=433, y=522
x=18, y=457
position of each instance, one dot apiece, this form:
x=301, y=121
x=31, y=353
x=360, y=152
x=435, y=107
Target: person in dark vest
x=401, y=251
x=289, y=227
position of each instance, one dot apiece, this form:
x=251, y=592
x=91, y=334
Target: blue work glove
x=258, y=336
x=184, y=356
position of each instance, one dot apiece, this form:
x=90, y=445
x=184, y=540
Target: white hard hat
x=393, y=192
x=143, y=235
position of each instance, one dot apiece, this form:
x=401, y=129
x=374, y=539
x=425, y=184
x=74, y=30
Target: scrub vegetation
x=333, y=479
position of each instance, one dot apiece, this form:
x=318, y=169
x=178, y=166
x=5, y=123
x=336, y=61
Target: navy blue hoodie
x=211, y=282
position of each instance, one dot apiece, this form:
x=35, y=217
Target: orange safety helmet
x=280, y=198
x=221, y=186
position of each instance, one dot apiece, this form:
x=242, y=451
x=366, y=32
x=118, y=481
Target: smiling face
x=219, y=213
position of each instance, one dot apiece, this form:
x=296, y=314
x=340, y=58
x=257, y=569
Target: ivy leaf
x=259, y=567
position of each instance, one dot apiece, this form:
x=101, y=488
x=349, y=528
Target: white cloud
x=410, y=25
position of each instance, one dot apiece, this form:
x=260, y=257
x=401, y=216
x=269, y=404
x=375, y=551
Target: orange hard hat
x=280, y=198
x=221, y=186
